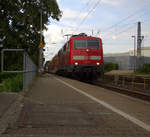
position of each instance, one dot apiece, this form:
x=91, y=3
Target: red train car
x=81, y=56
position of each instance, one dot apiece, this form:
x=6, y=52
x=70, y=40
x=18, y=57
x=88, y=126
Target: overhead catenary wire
x=126, y=18
x=90, y=11
x=114, y=25
x=106, y=30
x=147, y=20
x=75, y=19
x=128, y=28
x=124, y=30
x=131, y=25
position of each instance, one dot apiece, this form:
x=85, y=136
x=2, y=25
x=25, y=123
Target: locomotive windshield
x=86, y=43
x=94, y=44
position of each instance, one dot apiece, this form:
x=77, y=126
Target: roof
x=124, y=53
x=117, y=54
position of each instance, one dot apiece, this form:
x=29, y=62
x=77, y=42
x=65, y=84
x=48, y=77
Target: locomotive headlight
x=76, y=63
x=97, y=63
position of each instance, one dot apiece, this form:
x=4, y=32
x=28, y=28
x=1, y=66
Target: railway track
x=126, y=85
x=123, y=86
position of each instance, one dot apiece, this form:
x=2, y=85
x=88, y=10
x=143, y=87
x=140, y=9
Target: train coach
x=81, y=56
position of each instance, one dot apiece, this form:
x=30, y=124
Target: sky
x=114, y=21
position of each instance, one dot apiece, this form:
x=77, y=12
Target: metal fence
x=29, y=68
x=30, y=71
x=135, y=83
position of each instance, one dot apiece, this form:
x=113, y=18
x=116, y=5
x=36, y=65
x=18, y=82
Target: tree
x=20, y=23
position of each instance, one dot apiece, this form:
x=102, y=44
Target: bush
x=145, y=69
x=13, y=84
x=5, y=75
x=108, y=66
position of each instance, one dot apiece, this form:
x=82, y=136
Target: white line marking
x=125, y=115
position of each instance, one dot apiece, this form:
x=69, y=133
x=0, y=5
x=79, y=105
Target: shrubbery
x=4, y=75
x=108, y=66
x=13, y=83
x=145, y=69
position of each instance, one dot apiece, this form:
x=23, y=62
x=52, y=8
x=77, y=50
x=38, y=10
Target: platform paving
x=51, y=109
x=6, y=99
x=10, y=108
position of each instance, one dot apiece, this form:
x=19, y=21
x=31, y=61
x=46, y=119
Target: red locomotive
x=81, y=56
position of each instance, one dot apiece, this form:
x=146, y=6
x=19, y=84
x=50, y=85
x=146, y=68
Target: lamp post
x=41, y=46
x=134, y=53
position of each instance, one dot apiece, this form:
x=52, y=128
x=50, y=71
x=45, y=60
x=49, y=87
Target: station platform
x=62, y=107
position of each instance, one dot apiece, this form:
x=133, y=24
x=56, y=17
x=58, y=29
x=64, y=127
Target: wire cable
x=124, y=19
x=91, y=10
x=82, y=10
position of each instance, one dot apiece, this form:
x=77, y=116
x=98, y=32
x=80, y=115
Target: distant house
x=126, y=60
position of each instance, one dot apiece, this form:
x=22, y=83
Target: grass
x=12, y=84
x=1, y=87
x=142, y=74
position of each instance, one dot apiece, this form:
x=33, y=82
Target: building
x=126, y=60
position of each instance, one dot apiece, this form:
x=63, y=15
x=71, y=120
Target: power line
x=125, y=30
x=93, y=8
x=124, y=19
x=146, y=20
x=82, y=10
x=125, y=25
x=132, y=25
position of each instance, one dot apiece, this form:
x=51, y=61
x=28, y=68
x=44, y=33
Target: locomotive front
x=87, y=57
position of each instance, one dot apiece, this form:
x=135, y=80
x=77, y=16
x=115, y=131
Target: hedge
x=12, y=84
x=145, y=69
x=108, y=66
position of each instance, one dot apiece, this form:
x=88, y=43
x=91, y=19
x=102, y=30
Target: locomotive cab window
x=86, y=43
x=93, y=44
x=80, y=44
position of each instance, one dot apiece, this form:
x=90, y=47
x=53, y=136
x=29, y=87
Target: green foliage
x=20, y=23
x=13, y=84
x=108, y=66
x=145, y=69
x=16, y=63
x=4, y=75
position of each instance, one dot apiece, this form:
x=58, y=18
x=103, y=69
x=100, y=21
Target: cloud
x=52, y=35
x=109, y=13
x=72, y=14
x=105, y=2
x=111, y=3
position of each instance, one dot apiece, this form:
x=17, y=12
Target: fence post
x=132, y=81
x=116, y=77
x=24, y=71
x=145, y=82
x=123, y=81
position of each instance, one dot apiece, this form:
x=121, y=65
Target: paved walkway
x=10, y=107
x=6, y=99
x=53, y=109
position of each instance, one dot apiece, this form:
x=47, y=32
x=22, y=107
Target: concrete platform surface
x=6, y=99
x=62, y=107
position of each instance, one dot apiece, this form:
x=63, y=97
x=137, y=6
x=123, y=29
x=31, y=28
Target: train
x=81, y=57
